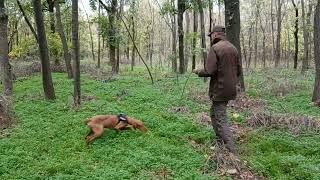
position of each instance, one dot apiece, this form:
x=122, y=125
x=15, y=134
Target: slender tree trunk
x=181, y=9
x=99, y=35
x=51, y=15
x=27, y=20
x=305, y=61
x=4, y=59
x=133, y=52
x=272, y=31
x=296, y=40
x=112, y=33
x=278, y=48
x=289, y=50
x=219, y=9
x=244, y=49
x=187, y=46
x=76, y=53
x=195, y=37
x=44, y=54
x=210, y=19
x=316, y=92
x=250, y=45
x=203, y=35
x=174, y=40
x=232, y=16
x=66, y=54
x=256, y=33
x=90, y=33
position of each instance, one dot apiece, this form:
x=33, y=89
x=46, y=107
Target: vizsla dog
x=119, y=122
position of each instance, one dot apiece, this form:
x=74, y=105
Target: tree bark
x=296, y=40
x=4, y=59
x=66, y=54
x=44, y=54
x=316, y=35
x=187, y=46
x=181, y=9
x=174, y=40
x=51, y=15
x=133, y=54
x=232, y=16
x=278, y=48
x=112, y=35
x=76, y=53
x=195, y=37
x=90, y=33
x=305, y=61
x=203, y=35
x=98, y=34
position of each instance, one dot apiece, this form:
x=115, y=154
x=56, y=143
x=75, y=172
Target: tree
x=181, y=9
x=44, y=54
x=76, y=53
x=203, y=35
x=305, y=61
x=296, y=39
x=316, y=35
x=4, y=59
x=195, y=38
x=133, y=54
x=278, y=47
x=174, y=38
x=66, y=54
x=27, y=20
x=113, y=35
x=232, y=23
x=51, y=15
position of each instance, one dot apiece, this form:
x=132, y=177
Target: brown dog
x=98, y=123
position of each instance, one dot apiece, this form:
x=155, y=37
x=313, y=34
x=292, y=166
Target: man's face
x=213, y=35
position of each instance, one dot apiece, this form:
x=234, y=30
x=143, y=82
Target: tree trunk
x=296, y=40
x=305, y=61
x=51, y=15
x=195, y=37
x=232, y=16
x=219, y=9
x=203, y=35
x=181, y=9
x=256, y=34
x=66, y=54
x=4, y=59
x=99, y=35
x=250, y=45
x=210, y=19
x=187, y=46
x=272, y=31
x=174, y=40
x=133, y=52
x=278, y=48
x=244, y=49
x=90, y=33
x=316, y=35
x=76, y=53
x=112, y=35
x=43, y=48
x=27, y=20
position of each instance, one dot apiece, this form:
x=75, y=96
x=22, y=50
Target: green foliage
x=49, y=140
x=27, y=47
x=279, y=155
x=54, y=45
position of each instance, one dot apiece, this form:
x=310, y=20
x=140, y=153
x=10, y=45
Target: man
x=223, y=68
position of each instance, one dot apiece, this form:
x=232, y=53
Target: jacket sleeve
x=211, y=65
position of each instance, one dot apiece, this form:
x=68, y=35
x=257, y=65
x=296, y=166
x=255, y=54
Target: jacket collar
x=218, y=38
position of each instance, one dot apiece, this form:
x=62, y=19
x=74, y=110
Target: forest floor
x=275, y=125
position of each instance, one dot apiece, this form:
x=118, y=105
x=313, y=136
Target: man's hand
x=196, y=71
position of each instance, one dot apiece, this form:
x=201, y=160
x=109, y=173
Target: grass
x=279, y=154
x=48, y=141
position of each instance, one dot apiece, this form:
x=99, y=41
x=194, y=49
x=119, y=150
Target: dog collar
x=122, y=117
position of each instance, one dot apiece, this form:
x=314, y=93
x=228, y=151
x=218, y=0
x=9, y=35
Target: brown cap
x=217, y=28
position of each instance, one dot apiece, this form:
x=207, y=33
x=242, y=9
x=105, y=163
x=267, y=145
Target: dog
x=98, y=123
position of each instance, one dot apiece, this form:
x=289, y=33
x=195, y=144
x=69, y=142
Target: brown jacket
x=224, y=69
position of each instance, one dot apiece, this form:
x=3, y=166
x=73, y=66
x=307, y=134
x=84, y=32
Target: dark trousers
x=218, y=114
